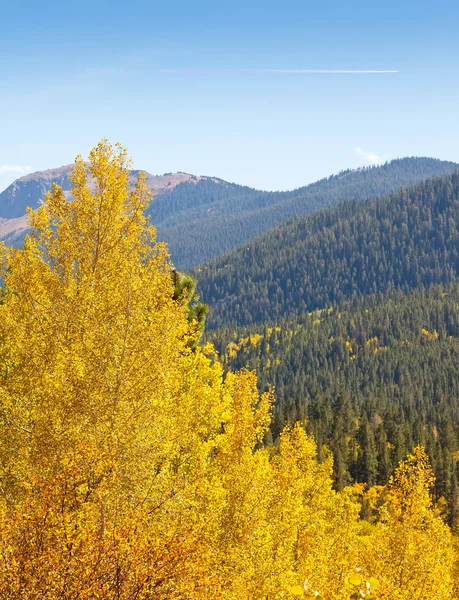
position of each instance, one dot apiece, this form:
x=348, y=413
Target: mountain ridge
x=407, y=239
x=245, y=215
x=202, y=217
x=33, y=186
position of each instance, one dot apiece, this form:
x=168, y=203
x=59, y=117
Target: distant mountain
x=403, y=241
x=30, y=189
x=217, y=218
x=203, y=217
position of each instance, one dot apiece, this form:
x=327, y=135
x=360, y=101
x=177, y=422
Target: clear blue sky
x=204, y=87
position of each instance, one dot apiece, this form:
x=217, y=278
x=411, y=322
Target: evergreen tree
x=185, y=290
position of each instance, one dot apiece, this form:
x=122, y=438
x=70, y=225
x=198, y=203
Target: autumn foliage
x=132, y=468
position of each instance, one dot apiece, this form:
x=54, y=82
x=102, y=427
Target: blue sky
x=211, y=88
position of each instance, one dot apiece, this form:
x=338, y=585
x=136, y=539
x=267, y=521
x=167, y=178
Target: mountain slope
x=373, y=377
x=408, y=239
x=203, y=217
x=198, y=235
x=30, y=189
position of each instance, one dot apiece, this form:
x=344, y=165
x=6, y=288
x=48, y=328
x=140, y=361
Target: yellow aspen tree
x=283, y=522
x=129, y=466
x=107, y=417
x=323, y=536
x=410, y=552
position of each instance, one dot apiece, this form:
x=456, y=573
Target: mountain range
x=202, y=217
x=29, y=191
x=352, y=314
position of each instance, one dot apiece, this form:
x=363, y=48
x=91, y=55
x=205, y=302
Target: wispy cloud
x=368, y=157
x=287, y=71
x=21, y=169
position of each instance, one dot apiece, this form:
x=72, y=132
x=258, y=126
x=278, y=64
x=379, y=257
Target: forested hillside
x=216, y=217
x=373, y=377
x=408, y=239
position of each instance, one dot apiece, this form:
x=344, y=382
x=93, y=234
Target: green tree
x=185, y=290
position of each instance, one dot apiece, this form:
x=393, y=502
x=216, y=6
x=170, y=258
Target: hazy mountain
x=30, y=189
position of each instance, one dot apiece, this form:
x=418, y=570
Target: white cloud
x=21, y=169
x=368, y=157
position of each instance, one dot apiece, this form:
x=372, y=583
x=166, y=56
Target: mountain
x=408, y=239
x=228, y=217
x=373, y=377
x=30, y=189
x=203, y=217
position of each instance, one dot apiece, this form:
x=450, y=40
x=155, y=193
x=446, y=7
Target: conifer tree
x=185, y=290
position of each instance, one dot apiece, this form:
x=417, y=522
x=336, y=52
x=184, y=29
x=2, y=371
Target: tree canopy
x=131, y=468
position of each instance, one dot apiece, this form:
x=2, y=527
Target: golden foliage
x=131, y=468
x=411, y=548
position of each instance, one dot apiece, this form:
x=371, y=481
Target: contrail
x=287, y=71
